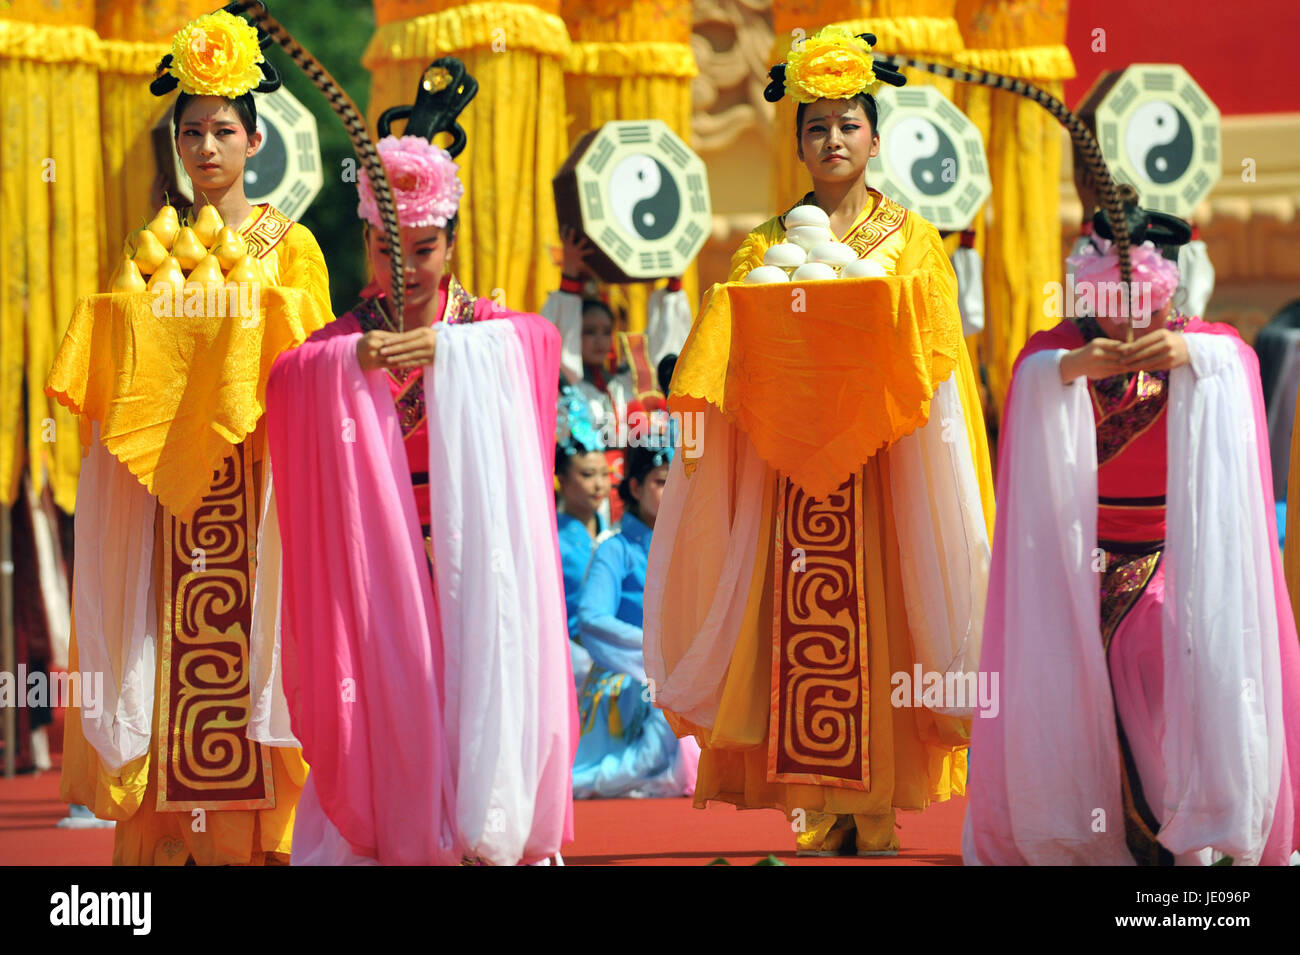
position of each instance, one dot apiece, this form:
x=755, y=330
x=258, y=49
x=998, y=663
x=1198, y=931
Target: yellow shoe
x=827, y=835
x=877, y=836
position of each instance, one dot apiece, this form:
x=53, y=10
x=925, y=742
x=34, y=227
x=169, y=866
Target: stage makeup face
x=836, y=140
x=213, y=145
x=425, y=251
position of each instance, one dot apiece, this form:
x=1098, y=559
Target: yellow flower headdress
x=217, y=54
x=834, y=64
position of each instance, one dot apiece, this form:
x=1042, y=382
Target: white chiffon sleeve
x=500, y=599
x=113, y=605
x=945, y=564
x=1223, y=735
x=1049, y=791
x=268, y=721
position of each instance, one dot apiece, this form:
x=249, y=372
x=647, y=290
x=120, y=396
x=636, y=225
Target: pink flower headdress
x=1092, y=265
x=423, y=180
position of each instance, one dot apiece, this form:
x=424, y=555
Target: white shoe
x=79, y=817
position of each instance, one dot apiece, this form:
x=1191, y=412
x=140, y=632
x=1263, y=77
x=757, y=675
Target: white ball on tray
x=835, y=254
x=766, y=275
x=807, y=216
x=814, y=272
x=785, y=255
x=863, y=269
x=807, y=236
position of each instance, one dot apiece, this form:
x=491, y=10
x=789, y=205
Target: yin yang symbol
x=1159, y=142
x=267, y=169
x=644, y=197
x=922, y=153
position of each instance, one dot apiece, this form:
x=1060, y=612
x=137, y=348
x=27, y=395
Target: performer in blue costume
x=581, y=519
x=626, y=747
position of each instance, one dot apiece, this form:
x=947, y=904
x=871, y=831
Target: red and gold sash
x=887, y=218
x=205, y=759
x=266, y=231
x=818, y=729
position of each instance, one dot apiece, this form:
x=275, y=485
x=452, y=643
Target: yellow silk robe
x=176, y=428
x=910, y=756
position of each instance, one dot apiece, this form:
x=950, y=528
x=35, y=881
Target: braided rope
x=1108, y=192
x=355, y=125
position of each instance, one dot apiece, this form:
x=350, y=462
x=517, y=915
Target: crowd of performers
x=423, y=598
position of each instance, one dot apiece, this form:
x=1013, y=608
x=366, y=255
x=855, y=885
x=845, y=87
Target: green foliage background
x=336, y=34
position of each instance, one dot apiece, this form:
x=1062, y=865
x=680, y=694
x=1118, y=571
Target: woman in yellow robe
x=831, y=537
x=193, y=758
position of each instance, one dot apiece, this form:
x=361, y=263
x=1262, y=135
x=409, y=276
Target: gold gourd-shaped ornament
x=187, y=249
x=207, y=225
x=207, y=272
x=168, y=273
x=127, y=277
x=148, y=251
x=248, y=269
x=230, y=248
x=165, y=225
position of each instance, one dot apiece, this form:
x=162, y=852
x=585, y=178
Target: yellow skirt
x=915, y=757
x=146, y=836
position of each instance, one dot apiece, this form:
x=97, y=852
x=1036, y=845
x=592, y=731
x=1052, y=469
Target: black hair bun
x=271, y=78
x=775, y=89
x=436, y=110
x=163, y=82
x=1146, y=225
x=887, y=71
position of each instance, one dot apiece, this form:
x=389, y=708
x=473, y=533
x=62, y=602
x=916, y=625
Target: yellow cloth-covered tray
x=820, y=375
x=172, y=394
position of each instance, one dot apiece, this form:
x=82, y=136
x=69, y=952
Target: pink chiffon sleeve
x=361, y=646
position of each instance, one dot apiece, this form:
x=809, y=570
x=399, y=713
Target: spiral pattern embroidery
x=818, y=728
x=205, y=759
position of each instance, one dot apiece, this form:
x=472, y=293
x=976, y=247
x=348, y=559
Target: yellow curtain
x=630, y=60
x=515, y=127
x=51, y=225
x=922, y=28
x=1021, y=247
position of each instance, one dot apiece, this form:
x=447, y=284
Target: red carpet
x=609, y=832
x=29, y=810
x=670, y=832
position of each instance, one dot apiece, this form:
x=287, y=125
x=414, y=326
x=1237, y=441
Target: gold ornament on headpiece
x=833, y=64
x=216, y=54
x=436, y=79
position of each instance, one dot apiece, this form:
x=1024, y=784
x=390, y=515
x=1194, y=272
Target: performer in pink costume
x=1161, y=723
x=425, y=652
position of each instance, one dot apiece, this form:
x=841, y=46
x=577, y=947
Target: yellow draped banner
x=51, y=225
x=630, y=60
x=515, y=127
x=1021, y=247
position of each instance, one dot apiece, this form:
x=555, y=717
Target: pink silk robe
x=365, y=662
x=1131, y=480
